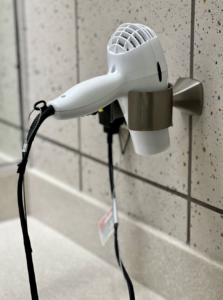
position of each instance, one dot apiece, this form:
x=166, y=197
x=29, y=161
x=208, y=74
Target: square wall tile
x=137, y=199
x=62, y=131
x=9, y=90
x=55, y=161
x=207, y=232
x=51, y=56
x=8, y=198
x=171, y=22
x=94, y=139
x=207, y=167
x=10, y=143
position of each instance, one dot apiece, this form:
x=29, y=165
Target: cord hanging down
x=115, y=216
x=45, y=112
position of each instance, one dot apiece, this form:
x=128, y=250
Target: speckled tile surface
x=51, y=52
x=207, y=152
x=56, y=161
x=171, y=22
x=135, y=198
x=10, y=143
x=64, y=270
x=207, y=232
x=9, y=93
x=8, y=198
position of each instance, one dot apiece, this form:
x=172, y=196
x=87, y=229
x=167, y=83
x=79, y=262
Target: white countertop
x=64, y=270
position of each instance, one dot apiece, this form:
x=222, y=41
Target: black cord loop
x=37, y=103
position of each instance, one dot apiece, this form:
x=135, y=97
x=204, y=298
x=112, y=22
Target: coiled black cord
x=118, y=257
x=45, y=113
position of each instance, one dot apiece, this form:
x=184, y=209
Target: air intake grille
x=129, y=36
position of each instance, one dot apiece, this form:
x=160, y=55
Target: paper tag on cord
x=106, y=227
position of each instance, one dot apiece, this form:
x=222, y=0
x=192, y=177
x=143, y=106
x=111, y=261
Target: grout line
x=80, y=156
x=153, y=183
x=208, y=206
x=22, y=26
x=189, y=180
x=58, y=143
x=78, y=80
x=10, y=124
x=192, y=38
x=190, y=125
x=9, y=163
x=19, y=69
x=157, y=185
x=77, y=42
x=150, y=182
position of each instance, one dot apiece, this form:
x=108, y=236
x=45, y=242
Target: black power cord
x=45, y=112
x=111, y=176
x=113, y=128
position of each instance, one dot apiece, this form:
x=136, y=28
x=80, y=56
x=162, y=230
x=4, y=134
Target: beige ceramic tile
x=62, y=131
x=171, y=21
x=207, y=130
x=8, y=198
x=9, y=93
x=138, y=199
x=207, y=232
x=51, y=51
x=94, y=139
x=10, y=143
x=56, y=161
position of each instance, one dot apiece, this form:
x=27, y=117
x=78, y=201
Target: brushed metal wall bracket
x=149, y=111
x=188, y=96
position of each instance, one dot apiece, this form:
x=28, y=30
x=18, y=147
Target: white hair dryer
x=136, y=62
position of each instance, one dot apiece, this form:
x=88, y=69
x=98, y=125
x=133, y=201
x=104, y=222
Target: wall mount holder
x=149, y=111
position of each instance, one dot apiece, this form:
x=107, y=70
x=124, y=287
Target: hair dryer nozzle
x=150, y=142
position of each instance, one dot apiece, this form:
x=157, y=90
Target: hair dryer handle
x=88, y=96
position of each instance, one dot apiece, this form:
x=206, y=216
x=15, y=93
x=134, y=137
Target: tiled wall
x=207, y=139
x=66, y=43
x=9, y=105
x=10, y=136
